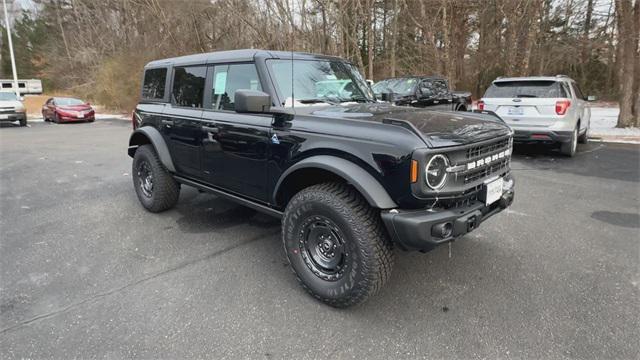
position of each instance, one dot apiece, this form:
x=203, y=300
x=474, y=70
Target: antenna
x=292, y=45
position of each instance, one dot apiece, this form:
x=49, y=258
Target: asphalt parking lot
x=87, y=273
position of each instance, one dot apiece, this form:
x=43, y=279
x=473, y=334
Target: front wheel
x=157, y=190
x=584, y=138
x=569, y=148
x=23, y=122
x=336, y=244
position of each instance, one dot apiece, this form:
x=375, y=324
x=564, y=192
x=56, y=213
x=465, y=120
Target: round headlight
x=436, y=171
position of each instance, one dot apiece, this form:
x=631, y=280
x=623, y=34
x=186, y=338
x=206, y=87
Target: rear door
x=530, y=103
x=182, y=119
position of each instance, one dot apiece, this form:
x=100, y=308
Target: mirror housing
x=591, y=98
x=387, y=96
x=21, y=98
x=252, y=101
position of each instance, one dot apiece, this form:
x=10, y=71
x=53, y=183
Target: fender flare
x=365, y=183
x=158, y=143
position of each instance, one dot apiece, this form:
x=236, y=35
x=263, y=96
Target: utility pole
x=13, y=58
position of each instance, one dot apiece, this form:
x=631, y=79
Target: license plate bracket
x=492, y=191
x=516, y=110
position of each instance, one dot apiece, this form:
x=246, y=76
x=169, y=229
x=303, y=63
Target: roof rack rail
x=562, y=75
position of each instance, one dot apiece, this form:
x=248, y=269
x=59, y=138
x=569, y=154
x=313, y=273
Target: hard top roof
x=237, y=56
x=430, y=77
x=533, y=78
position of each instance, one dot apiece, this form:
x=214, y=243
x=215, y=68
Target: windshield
x=319, y=81
x=401, y=86
x=68, y=101
x=8, y=96
x=525, y=89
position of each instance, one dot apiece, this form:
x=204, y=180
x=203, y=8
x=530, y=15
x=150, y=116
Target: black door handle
x=213, y=130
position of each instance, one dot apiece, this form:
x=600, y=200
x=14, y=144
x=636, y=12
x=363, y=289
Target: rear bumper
x=541, y=135
x=16, y=116
x=418, y=229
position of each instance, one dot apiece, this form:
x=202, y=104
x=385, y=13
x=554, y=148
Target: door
x=182, y=119
x=235, y=146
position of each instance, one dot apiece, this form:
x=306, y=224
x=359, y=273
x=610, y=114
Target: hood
x=10, y=104
x=437, y=128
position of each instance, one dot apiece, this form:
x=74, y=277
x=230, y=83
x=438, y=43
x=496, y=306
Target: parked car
x=65, y=109
x=350, y=178
x=422, y=91
x=12, y=108
x=541, y=109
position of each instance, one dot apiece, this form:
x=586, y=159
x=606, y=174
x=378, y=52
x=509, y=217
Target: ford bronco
x=301, y=137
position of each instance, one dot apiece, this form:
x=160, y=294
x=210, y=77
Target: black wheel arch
x=323, y=168
x=151, y=135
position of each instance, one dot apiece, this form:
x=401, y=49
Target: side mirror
x=252, y=101
x=387, y=96
x=591, y=98
x=21, y=98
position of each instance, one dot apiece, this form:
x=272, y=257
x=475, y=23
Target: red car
x=64, y=109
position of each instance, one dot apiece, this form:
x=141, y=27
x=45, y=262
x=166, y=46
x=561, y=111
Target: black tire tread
x=377, y=248
x=166, y=190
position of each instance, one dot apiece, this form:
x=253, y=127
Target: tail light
x=480, y=105
x=562, y=106
x=134, y=124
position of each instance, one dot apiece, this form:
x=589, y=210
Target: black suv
x=300, y=137
x=422, y=91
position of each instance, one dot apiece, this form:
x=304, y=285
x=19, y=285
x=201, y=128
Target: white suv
x=545, y=109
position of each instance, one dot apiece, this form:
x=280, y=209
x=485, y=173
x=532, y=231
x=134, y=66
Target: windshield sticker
x=220, y=83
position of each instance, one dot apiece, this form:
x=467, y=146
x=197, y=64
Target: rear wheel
x=569, y=148
x=157, y=190
x=336, y=244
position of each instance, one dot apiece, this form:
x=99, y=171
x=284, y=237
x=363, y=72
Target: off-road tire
x=369, y=249
x=23, y=122
x=569, y=148
x=165, y=190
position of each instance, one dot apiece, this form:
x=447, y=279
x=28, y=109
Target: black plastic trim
x=365, y=183
x=229, y=196
x=158, y=143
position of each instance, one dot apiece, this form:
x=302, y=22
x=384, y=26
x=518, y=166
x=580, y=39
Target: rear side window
x=229, y=78
x=153, y=85
x=525, y=89
x=188, y=86
x=576, y=89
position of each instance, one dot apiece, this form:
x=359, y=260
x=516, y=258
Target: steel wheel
x=322, y=248
x=146, y=178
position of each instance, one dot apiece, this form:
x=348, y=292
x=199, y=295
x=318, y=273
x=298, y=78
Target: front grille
x=479, y=150
x=6, y=110
x=486, y=171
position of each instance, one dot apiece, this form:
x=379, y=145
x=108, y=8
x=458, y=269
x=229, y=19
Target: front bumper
x=542, y=135
x=417, y=229
x=13, y=116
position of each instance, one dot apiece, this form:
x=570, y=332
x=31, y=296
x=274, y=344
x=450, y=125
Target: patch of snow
x=603, y=123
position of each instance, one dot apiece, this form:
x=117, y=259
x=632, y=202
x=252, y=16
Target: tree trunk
x=628, y=46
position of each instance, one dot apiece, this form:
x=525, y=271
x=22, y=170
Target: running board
x=237, y=199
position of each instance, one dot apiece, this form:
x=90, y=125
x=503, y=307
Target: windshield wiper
x=526, y=96
x=358, y=99
x=316, y=101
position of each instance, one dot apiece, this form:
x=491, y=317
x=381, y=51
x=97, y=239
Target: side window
x=576, y=89
x=564, y=91
x=6, y=85
x=440, y=87
x=229, y=78
x=153, y=84
x=188, y=86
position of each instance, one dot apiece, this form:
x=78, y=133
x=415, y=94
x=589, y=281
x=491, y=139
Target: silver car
x=542, y=109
